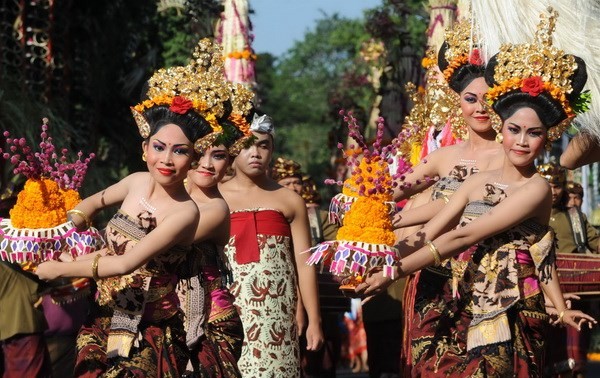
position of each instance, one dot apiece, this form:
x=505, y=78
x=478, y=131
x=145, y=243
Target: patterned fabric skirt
x=162, y=351
x=219, y=350
x=266, y=298
x=523, y=356
x=438, y=332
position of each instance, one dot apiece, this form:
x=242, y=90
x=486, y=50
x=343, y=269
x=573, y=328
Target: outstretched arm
x=418, y=215
x=110, y=196
x=173, y=230
x=525, y=203
x=444, y=221
x=428, y=168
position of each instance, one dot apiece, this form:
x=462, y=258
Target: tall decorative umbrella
x=234, y=33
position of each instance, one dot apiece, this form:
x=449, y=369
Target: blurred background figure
x=574, y=234
x=287, y=173
x=575, y=193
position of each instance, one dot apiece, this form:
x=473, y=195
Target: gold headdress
x=200, y=86
x=577, y=30
x=539, y=67
x=284, y=168
x=553, y=173
x=461, y=48
x=433, y=105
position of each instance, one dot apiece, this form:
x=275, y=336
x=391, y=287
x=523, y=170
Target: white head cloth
x=262, y=124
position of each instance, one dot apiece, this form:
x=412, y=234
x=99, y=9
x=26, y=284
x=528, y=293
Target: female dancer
x=428, y=304
x=150, y=235
x=269, y=229
x=506, y=214
x=216, y=341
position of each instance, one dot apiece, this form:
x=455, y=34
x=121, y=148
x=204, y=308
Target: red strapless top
x=245, y=225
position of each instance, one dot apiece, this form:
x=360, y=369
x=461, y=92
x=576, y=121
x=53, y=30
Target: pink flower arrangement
x=47, y=163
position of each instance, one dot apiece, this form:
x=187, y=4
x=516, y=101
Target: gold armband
x=86, y=219
x=95, y=267
x=437, y=258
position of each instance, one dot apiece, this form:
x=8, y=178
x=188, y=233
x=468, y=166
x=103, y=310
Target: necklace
x=501, y=186
x=146, y=205
x=468, y=161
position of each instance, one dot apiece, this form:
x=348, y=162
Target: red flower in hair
x=180, y=105
x=475, y=58
x=533, y=85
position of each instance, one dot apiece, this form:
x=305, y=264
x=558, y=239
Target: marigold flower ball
x=367, y=220
x=42, y=204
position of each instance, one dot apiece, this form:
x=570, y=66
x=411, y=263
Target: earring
x=144, y=156
x=499, y=138
x=194, y=165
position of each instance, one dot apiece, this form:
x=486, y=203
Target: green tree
x=303, y=83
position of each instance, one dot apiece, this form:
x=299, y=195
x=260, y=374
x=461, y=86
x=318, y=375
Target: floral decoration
x=52, y=181
x=241, y=123
x=532, y=85
x=555, y=92
x=456, y=63
x=366, y=239
x=42, y=204
x=245, y=54
x=180, y=105
x=475, y=58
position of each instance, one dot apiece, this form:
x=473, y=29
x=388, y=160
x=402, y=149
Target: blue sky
x=278, y=23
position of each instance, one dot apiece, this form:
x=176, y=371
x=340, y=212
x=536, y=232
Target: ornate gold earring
x=144, y=156
x=499, y=138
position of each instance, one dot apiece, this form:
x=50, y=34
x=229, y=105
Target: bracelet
x=560, y=316
x=86, y=219
x=95, y=267
x=437, y=259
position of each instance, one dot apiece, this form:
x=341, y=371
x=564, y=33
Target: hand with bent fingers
x=575, y=319
x=551, y=310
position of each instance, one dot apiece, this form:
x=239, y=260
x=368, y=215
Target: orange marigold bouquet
x=365, y=241
x=37, y=229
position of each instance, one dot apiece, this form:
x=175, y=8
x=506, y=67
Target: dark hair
x=191, y=123
x=574, y=188
x=463, y=75
x=548, y=109
x=230, y=134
